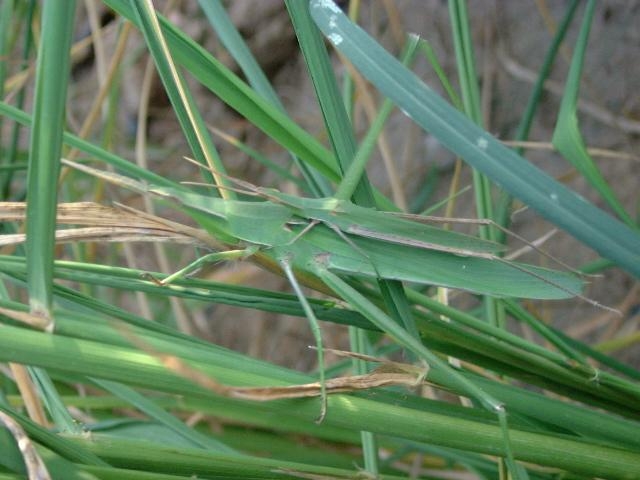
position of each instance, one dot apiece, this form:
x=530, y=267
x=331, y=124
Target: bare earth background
x=510, y=37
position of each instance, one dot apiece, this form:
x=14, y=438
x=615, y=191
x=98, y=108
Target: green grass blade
x=6, y=20
x=508, y=170
x=94, y=150
x=52, y=401
x=235, y=44
x=358, y=413
x=538, y=89
x=154, y=411
x=465, y=59
x=352, y=175
x=399, y=334
x=192, y=289
x=11, y=458
x=13, y=152
x=567, y=137
x=335, y=116
x=52, y=441
x=129, y=474
x=503, y=210
x=358, y=342
x=430, y=55
x=45, y=149
x=239, y=96
x=192, y=123
x=44, y=168
x=197, y=463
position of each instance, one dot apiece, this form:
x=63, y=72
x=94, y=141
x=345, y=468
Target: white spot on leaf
x=335, y=39
x=407, y=114
x=482, y=143
x=328, y=4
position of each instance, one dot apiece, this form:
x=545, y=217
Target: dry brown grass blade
x=387, y=374
x=83, y=213
x=107, y=234
x=31, y=319
x=107, y=224
x=380, y=377
x=36, y=469
x=29, y=394
x=383, y=376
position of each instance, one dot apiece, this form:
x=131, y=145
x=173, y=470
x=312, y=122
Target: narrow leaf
x=506, y=168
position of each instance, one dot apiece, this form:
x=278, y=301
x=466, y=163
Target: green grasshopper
x=327, y=237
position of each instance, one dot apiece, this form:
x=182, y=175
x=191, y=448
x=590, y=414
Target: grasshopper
x=327, y=237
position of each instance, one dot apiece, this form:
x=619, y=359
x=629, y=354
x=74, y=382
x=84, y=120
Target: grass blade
x=44, y=167
x=154, y=411
x=340, y=130
x=46, y=148
x=239, y=96
x=357, y=413
x=12, y=154
x=54, y=442
x=504, y=205
x=508, y=170
x=192, y=123
x=567, y=137
x=94, y=150
x=235, y=44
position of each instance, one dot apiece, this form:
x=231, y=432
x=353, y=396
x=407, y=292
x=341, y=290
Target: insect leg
x=490, y=223
x=209, y=258
x=559, y=287
x=392, y=287
x=242, y=186
x=447, y=375
x=308, y=227
x=285, y=262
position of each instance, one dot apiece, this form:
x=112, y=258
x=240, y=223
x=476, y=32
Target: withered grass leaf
x=36, y=468
x=107, y=224
x=36, y=321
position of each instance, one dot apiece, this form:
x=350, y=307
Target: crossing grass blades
x=384, y=275
x=327, y=238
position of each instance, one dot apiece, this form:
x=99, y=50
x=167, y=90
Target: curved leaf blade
x=557, y=203
x=567, y=137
